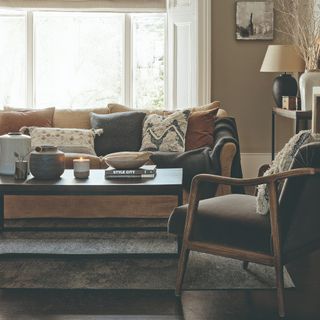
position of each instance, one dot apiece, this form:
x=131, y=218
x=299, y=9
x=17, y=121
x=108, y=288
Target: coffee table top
x=167, y=181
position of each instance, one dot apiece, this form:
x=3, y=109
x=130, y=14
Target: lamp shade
x=282, y=58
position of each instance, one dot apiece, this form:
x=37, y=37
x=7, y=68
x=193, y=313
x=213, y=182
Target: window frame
x=19, y=13
x=127, y=73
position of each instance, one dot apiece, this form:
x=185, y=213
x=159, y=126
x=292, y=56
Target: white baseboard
x=251, y=162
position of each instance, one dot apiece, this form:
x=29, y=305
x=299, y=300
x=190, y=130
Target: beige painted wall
x=238, y=84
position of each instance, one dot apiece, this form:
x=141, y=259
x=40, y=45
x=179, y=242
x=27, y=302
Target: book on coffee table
x=146, y=172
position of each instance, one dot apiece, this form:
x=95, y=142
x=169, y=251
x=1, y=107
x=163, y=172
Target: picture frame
x=254, y=20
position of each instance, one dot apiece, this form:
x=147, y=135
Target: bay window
x=144, y=54
x=82, y=59
x=12, y=59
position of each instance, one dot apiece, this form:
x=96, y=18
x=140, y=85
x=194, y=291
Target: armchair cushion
x=229, y=220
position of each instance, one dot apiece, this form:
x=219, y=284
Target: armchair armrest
x=252, y=181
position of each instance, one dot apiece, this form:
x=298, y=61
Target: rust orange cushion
x=12, y=121
x=200, y=129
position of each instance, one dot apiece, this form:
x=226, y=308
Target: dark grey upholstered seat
x=229, y=220
x=232, y=220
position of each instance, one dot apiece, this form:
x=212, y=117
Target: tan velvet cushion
x=222, y=113
x=210, y=106
x=13, y=121
x=114, y=107
x=76, y=118
x=200, y=129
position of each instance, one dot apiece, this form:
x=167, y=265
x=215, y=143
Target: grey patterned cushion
x=165, y=133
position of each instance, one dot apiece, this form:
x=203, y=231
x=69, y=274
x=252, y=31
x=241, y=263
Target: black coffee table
x=167, y=182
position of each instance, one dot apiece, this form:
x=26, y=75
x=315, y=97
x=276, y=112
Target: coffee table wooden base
x=168, y=182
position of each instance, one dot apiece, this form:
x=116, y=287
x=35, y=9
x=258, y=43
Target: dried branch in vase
x=300, y=21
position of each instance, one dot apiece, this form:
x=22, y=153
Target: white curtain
x=123, y=5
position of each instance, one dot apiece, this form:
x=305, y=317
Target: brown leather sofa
x=119, y=206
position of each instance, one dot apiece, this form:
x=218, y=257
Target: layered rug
x=117, y=260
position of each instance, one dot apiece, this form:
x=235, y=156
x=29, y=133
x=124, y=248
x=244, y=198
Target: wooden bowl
x=127, y=160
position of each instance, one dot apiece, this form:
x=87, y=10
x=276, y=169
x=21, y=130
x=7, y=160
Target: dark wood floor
x=303, y=302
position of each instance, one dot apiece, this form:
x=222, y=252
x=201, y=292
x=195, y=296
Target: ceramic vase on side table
x=308, y=80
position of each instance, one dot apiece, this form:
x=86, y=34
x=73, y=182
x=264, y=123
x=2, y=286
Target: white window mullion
x=166, y=70
x=128, y=72
x=30, y=59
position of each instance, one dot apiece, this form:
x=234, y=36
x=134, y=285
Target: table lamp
x=283, y=59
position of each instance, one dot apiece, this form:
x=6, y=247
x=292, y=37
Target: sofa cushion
x=115, y=107
x=66, y=139
x=76, y=118
x=13, y=121
x=121, y=131
x=200, y=129
x=206, y=107
x=229, y=220
x=165, y=134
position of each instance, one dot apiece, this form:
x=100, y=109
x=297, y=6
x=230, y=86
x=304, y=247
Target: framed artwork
x=254, y=20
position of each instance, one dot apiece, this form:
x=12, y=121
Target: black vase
x=284, y=85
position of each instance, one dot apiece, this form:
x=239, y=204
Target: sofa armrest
x=227, y=155
x=222, y=159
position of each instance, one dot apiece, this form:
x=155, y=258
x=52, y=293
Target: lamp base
x=284, y=85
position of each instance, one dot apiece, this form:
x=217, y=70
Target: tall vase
x=308, y=80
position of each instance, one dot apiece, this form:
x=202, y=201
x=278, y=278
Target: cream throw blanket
x=281, y=163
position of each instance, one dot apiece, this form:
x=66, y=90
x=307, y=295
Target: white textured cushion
x=67, y=140
x=167, y=134
x=281, y=163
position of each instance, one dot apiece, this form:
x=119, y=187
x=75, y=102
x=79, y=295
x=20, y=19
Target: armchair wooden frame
x=276, y=260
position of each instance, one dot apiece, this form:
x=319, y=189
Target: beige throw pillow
x=115, y=107
x=76, y=118
x=206, y=107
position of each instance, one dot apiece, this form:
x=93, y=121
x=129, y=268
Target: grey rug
x=121, y=264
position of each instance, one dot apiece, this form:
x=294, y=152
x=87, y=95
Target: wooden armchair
x=229, y=225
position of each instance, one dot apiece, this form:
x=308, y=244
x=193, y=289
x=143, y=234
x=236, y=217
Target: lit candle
x=81, y=168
